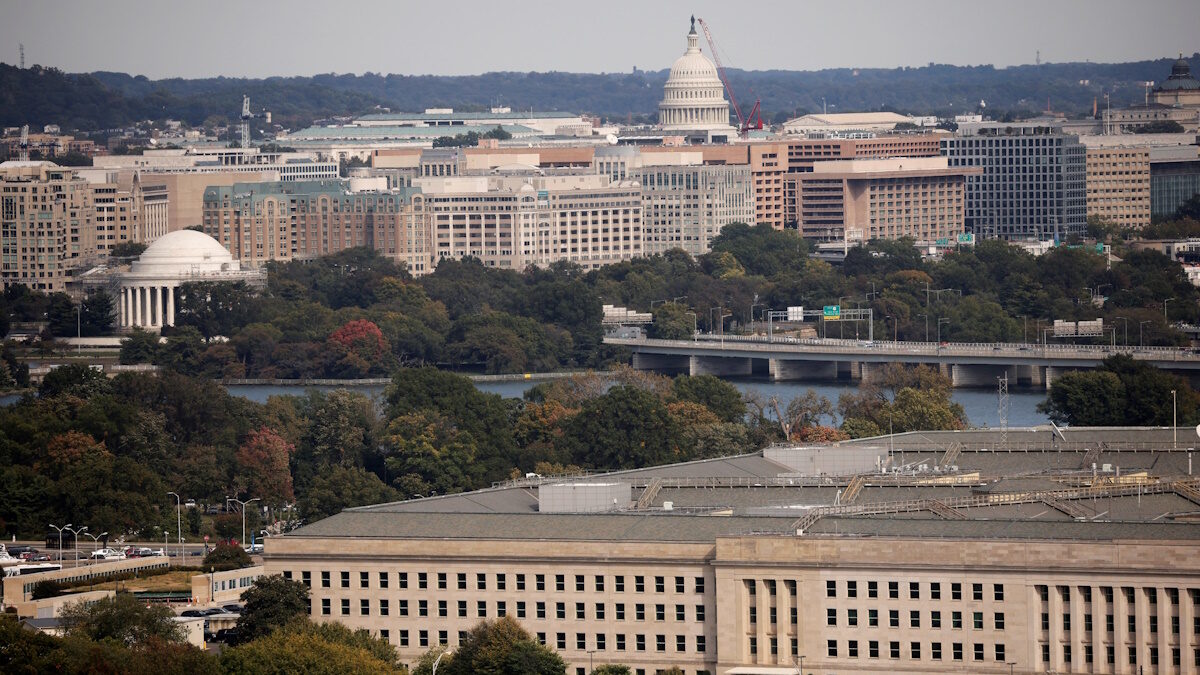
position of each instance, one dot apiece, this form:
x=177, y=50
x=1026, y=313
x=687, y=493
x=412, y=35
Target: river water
x=980, y=405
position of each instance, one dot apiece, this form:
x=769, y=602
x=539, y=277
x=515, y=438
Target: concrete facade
x=1118, y=185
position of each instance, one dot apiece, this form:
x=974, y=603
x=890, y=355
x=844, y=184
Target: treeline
x=105, y=100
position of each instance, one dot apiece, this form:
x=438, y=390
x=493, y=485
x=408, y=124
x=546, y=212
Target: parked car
x=34, y=556
x=233, y=609
x=107, y=554
x=191, y=503
x=254, y=548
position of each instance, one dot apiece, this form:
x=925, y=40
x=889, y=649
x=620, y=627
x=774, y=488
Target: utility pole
x=1002, y=408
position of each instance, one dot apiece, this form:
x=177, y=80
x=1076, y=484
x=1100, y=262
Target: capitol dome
x=185, y=251
x=693, y=97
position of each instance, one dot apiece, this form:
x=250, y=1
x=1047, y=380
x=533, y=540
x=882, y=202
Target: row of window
x=620, y=642
x=914, y=618
x=579, y=582
x=579, y=611
x=933, y=588
x=850, y=649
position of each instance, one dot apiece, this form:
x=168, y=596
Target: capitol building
x=693, y=101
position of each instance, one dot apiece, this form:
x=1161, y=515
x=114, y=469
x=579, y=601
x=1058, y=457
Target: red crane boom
x=745, y=124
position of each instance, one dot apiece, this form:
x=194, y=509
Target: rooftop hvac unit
x=668, y=506
x=1106, y=468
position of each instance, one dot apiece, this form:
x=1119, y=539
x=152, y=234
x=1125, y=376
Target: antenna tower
x=24, y=146
x=1002, y=407
x=21, y=50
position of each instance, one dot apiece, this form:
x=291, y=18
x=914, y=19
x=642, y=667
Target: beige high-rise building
x=46, y=220
x=1118, y=184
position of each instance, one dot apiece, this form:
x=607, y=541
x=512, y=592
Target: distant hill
x=103, y=100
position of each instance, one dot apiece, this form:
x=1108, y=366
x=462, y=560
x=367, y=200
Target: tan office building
x=1118, y=185
x=864, y=199
x=747, y=565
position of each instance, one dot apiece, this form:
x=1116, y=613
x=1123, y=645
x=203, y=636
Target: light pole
x=1141, y=342
x=76, y=533
x=79, y=327
x=926, y=317
x=438, y=660
x=693, y=325
x=1126, y=328
x=178, y=524
x=941, y=320
x=1010, y=665
x=1174, y=423
x=243, y=505
x=895, y=327
x=590, y=653
x=752, y=306
x=96, y=539
x=60, y=531
x=1165, y=319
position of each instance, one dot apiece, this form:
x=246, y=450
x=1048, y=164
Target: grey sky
x=257, y=38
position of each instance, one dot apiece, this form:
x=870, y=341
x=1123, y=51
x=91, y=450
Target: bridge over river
x=966, y=364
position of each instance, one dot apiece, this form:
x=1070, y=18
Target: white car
x=254, y=548
x=107, y=554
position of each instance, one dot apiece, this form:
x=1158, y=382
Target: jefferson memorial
x=149, y=288
x=694, y=99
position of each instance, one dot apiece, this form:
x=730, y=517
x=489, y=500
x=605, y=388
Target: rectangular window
x=894, y=590
x=579, y=583
x=560, y=641
x=873, y=649
x=831, y=589
x=520, y=609
x=894, y=649
x=619, y=582
x=560, y=583
x=402, y=577
x=872, y=589
x=325, y=579
x=998, y=592
x=383, y=579
x=935, y=619
x=935, y=651
x=700, y=644
x=599, y=583
x=831, y=617
x=501, y=582
x=639, y=611
x=481, y=582
x=364, y=607
x=383, y=608
x=639, y=584
x=462, y=608
x=679, y=585
x=345, y=577
x=914, y=590
x=441, y=581
x=639, y=642
x=956, y=620
x=852, y=649
x=660, y=643
x=501, y=608
x=978, y=649
x=914, y=650
x=956, y=651
x=364, y=579
x=620, y=642
x=831, y=648
x=560, y=610
x=872, y=617
x=956, y=591
x=681, y=643
x=404, y=638
x=306, y=578
x=977, y=620
x=1000, y=652
x=660, y=612
x=851, y=589
x=700, y=613
x=345, y=606
x=481, y=608
x=914, y=619
x=325, y=606
x=894, y=618
x=852, y=617
x=679, y=613
x=935, y=590
x=422, y=608
x=442, y=608
x=541, y=609
x=977, y=592
x=520, y=582
x=999, y=621
x=540, y=581
x=660, y=584
x=402, y=607
x=580, y=641
x=620, y=611
x=423, y=583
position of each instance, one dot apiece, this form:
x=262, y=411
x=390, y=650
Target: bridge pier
x=1053, y=373
x=782, y=369
x=982, y=376
x=721, y=366
x=1030, y=376
x=670, y=364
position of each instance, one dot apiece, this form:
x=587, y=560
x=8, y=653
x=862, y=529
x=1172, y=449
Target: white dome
x=693, y=97
x=186, y=251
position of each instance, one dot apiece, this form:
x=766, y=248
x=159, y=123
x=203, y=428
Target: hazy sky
x=256, y=38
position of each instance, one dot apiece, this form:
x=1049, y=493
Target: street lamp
x=178, y=524
x=895, y=327
x=76, y=533
x=60, y=531
x=95, y=539
x=1165, y=319
x=939, y=327
x=1010, y=665
x=693, y=325
x=1141, y=342
x=590, y=653
x=243, y=505
x=1126, y=328
x=1174, y=423
x=438, y=660
x=926, y=317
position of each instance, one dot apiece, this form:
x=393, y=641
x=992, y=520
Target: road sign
x=832, y=312
x=795, y=313
x=966, y=238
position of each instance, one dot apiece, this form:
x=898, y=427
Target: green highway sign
x=833, y=312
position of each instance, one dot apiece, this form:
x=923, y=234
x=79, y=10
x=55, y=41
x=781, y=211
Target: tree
x=76, y=379
x=1159, y=127
x=271, y=603
x=139, y=346
x=358, y=349
x=126, y=249
x=627, y=427
x=263, y=463
x=96, y=314
x=1122, y=392
x=121, y=618
x=671, y=322
x=305, y=648
x=227, y=557
x=341, y=487
x=612, y=669
x=501, y=647
x=719, y=396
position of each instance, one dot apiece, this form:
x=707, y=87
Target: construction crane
x=754, y=119
x=247, y=116
x=24, y=146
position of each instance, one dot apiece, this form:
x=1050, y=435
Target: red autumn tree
x=359, y=348
x=263, y=467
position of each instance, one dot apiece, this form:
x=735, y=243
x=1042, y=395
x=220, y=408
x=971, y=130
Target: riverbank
x=384, y=381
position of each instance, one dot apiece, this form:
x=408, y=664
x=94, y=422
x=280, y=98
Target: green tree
x=341, y=487
x=139, y=346
x=305, y=648
x=625, y=428
x=1123, y=392
x=719, y=396
x=270, y=604
x=1088, y=399
x=97, y=314
x=671, y=322
x=227, y=557
x=612, y=669
x=501, y=647
x=126, y=249
x=121, y=618
x=76, y=379
x=263, y=465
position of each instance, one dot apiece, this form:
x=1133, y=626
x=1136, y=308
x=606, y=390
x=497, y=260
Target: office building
x=863, y=199
x=685, y=205
x=1174, y=178
x=1077, y=554
x=1033, y=184
x=45, y=215
x=1118, y=184
x=856, y=123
